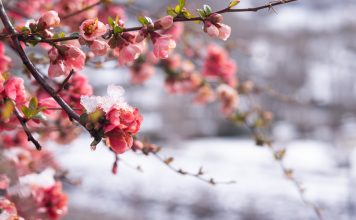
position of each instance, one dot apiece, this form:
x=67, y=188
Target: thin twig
x=26, y=129
x=81, y=10
x=65, y=81
x=198, y=175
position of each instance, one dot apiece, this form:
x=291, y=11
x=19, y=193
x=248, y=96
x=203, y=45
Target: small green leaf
x=171, y=12
x=177, y=9
x=233, y=3
x=181, y=3
x=207, y=9
x=26, y=111
x=33, y=103
x=144, y=20
x=117, y=29
x=201, y=13
x=111, y=21
x=62, y=34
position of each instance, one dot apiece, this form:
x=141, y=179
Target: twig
x=198, y=175
x=65, y=81
x=23, y=122
x=81, y=10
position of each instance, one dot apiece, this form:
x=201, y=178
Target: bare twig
x=65, y=81
x=198, y=175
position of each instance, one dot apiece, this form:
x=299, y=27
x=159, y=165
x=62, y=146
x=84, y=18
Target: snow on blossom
x=115, y=97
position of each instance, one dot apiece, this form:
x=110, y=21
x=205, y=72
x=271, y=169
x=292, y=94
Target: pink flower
x=162, y=45
x=214, y=27
x=49, y=19
x=141, y=73
x=128, y=53
x=71, y=58
x=224, y=31
x=4, y=182
x=74, y=58
x=58, y=68
x=218, y=65
x=48, y=103
x=91, y=29
x=119, y=141
x=99, y=47
x=204, y=95
x=15, y=89
x=228, y=97
x=2, y=81
x=175, y=31
x=52, y=200
x=4, y=60
x=211, y=29
x=127, y=120
x=164, y=23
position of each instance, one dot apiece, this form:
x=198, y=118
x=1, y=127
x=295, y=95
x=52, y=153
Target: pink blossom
x=228, y=97
x=141, y=73
x=224, y=31
x=48, y=103
x=91, y=29
x=218, y=65
x=49, y=19
x=4, y=60
x=99, y=47
x=127, y=120
x=175, y=31
x=58, y=68
x=4, y=182
x=2, y=81
x=164, y=23
x=211, y=29
x=204, y=95
x=51, y=200
x=15, y=89
x=128, y=53
x=119, y=141
x=74, y=58
x=162, y=45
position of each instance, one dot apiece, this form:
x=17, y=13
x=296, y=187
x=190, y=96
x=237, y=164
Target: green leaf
x=201, y=13
x=186, y=14
x=111, y=21
x=207, y=9
x=62, y=34
x=117, y=29
x=26, y=111
x=181, y=3
x=171, y=12
x=144, y=20
x=233, y=3
x=177, y=9
x=33, y=103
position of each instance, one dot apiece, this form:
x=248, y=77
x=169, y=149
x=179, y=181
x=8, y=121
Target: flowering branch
x=65, y=81
x=176, y=19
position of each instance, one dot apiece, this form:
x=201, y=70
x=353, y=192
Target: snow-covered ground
x=261, y=192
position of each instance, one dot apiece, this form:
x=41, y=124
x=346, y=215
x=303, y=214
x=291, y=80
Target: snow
x=260, y=186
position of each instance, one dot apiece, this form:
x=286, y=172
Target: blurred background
x=303, y=55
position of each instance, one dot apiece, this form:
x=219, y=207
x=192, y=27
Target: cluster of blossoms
x=111, y=114
x=214, y=27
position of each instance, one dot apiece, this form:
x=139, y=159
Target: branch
x=23, y=122
x=198, y=175
x=36, y=74
x=179, y=19
x=65, y=81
